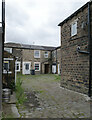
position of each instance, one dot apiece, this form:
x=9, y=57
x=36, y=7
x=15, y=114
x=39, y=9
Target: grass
x=57, y=77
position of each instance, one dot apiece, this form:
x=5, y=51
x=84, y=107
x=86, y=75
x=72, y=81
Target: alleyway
x=47, y=100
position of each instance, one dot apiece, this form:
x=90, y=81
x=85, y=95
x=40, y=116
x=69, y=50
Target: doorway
x=26, y=67
x=46, y=68
x=54, y=69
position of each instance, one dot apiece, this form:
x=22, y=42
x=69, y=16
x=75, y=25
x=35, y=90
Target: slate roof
x=26, y=46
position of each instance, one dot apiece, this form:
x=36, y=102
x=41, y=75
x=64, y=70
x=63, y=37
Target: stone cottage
x=31, y=57
x=76, y=31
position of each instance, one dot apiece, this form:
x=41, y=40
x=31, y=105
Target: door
x=54, y=69
x=58, y=69
x=46, y=68
x=26, y=67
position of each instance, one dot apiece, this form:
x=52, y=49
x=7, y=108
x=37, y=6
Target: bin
x=6, y=95
x=33, y=72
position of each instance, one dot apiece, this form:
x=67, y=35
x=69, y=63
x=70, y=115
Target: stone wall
x=28, y=55
x=75, y=65
x=56, y=58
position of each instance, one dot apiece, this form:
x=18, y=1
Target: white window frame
x=39, y=65
x=74, y=28
x=35, y=55
x=4, y=71
x=8, y=49
x=17, y=62
x=46, y=54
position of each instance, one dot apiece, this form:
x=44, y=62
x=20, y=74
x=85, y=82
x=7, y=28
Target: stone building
x=31, y=57
x=56, y=60
x=8, y=71
x=76, y=31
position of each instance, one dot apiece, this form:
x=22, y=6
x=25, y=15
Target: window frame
x=74, y=28
x=5, y=71
x=46, y=54
x=35, y=55
x=17, y=62
x=39, y=65
x=9, y=50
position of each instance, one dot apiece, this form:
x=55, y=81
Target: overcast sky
x=36, y=21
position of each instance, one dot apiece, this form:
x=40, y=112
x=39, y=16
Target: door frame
x=23, y=67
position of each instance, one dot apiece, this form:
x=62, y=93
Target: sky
x=35, y=22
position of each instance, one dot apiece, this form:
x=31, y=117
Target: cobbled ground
x=46, y=99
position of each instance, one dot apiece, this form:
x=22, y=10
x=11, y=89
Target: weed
x=57, y=77
x=21, y=97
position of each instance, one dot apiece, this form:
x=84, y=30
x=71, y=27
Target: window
x=8, y=50
x=37, y=54
x=74, y=28
x=6, y=66
x=46, y=54
x=18, y=66
x=37, y=66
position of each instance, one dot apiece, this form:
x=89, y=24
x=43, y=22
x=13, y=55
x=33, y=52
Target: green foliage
x=57, y=77
x=21, y=97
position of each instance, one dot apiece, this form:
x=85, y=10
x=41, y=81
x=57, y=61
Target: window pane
x=36, y=66
x=17, y=67
x=74, y=29
x=5, y=66
x=37, y=54
x=27, y=66
x=46, y=54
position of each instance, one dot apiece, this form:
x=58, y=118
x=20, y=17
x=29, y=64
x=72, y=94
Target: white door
x=26, y=67
x=58, y=69
x=54, y=69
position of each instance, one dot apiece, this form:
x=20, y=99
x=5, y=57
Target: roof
x=26, y=46
x=75, y=13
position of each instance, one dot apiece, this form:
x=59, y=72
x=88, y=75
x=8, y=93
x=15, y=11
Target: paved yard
x=45, y=99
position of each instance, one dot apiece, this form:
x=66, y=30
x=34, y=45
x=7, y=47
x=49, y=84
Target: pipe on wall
x=90, y=51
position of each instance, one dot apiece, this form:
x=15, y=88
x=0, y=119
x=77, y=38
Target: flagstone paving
x=46, y=99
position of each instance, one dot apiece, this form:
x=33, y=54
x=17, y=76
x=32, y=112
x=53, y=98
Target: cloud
x=29, y=21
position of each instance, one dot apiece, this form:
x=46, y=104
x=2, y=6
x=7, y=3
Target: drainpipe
x=1, y=68
x=56, y=61
x=51, y=63
x=90, y=49
x=3, y=20
x=2, y=39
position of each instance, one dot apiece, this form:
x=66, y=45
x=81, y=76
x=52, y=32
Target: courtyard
x=46, y=99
